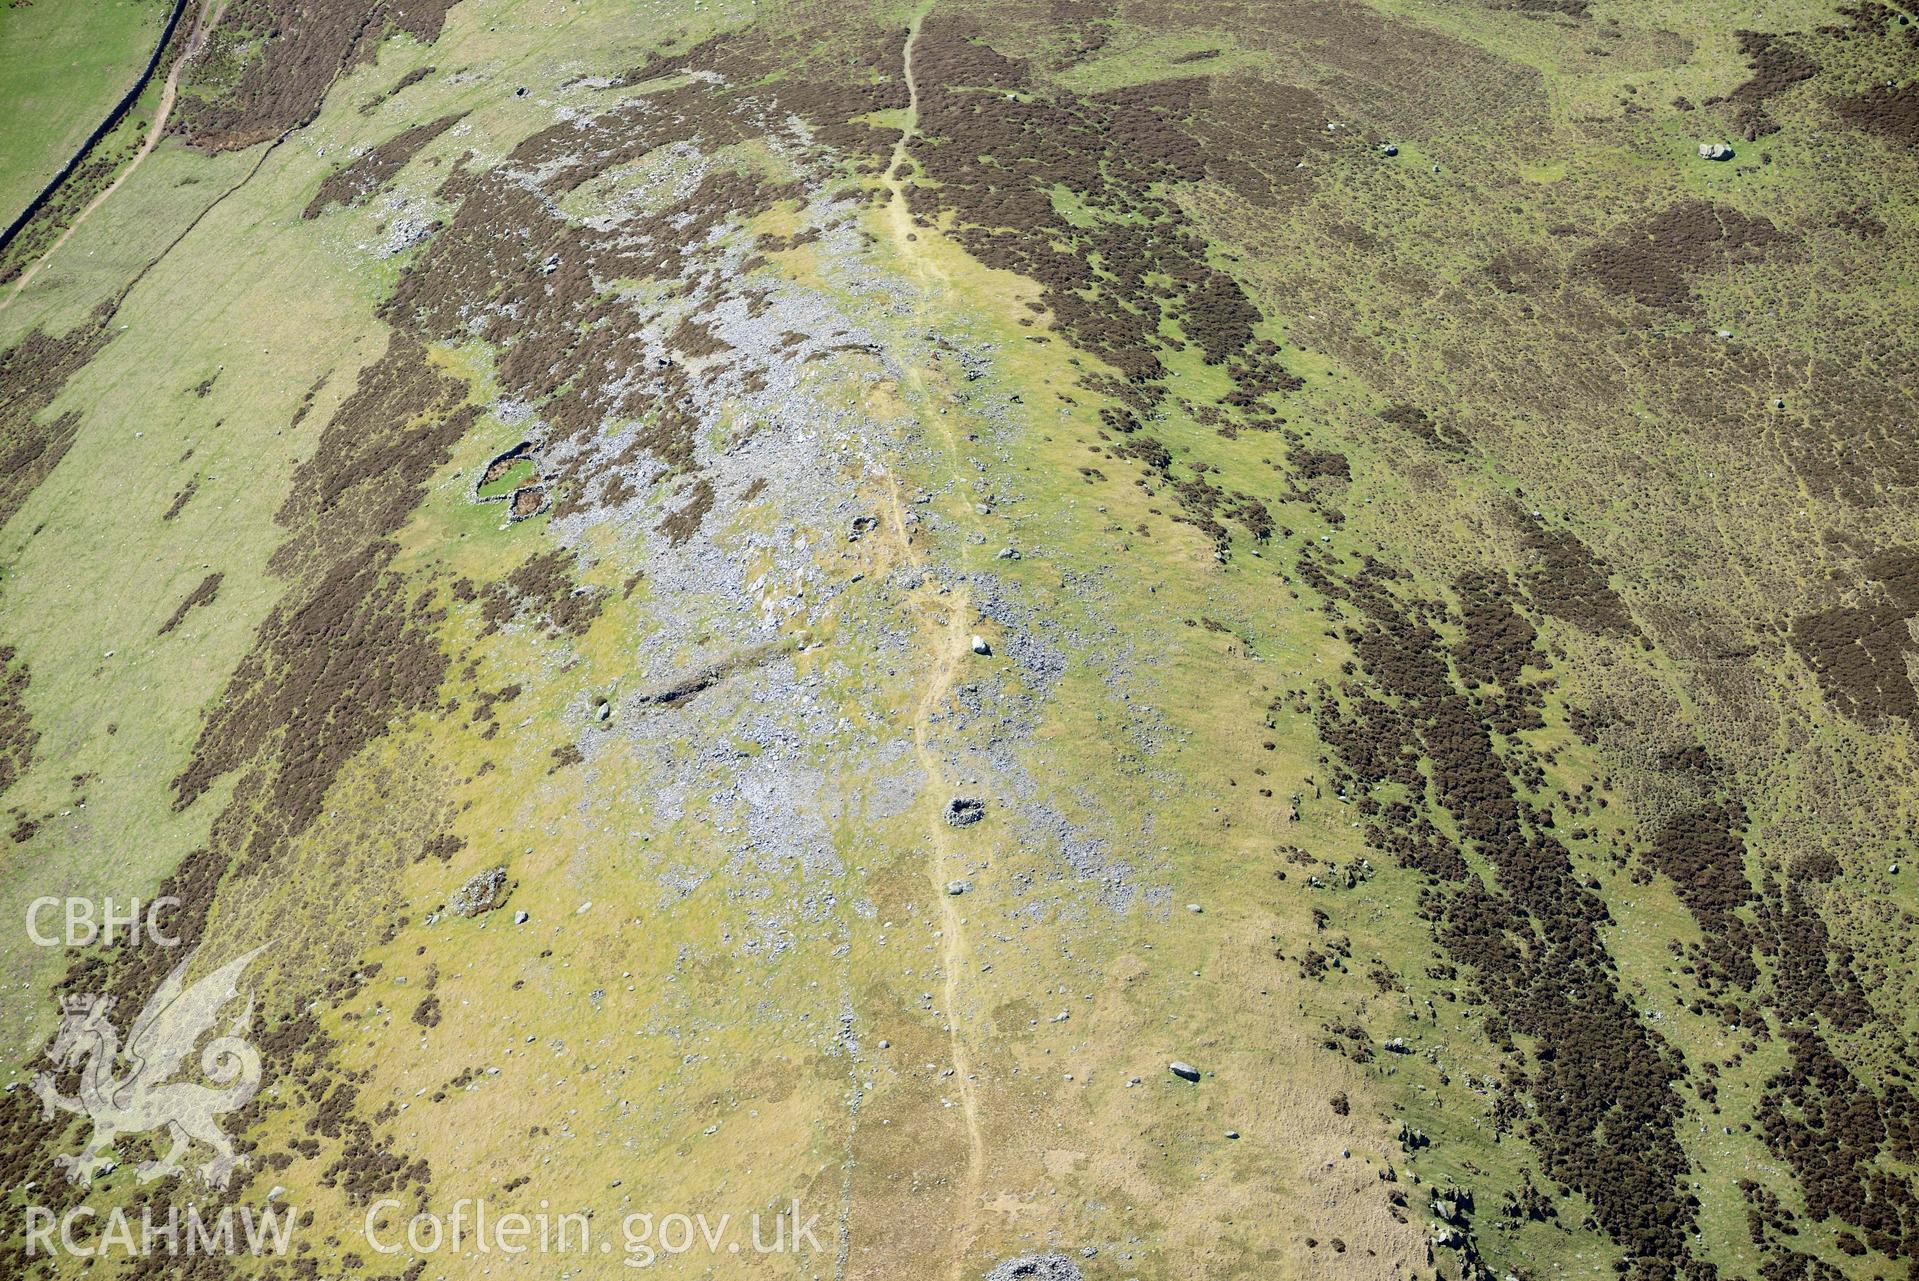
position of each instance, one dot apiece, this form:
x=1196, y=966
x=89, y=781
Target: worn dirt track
x=944, y=627
x=169, y=91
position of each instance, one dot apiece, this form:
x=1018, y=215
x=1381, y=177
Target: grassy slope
x=1460, y=191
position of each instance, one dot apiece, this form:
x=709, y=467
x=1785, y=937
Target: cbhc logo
x=87, y=921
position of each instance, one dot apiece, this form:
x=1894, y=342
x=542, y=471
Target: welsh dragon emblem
x=143, y=1096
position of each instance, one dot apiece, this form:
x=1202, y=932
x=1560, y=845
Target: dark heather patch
x=1603, y=1106
x=17, y=735
x=541, y=590
x=332, y=673
x=1860, y=221
x=350, y=649
x=1832, y=1124
x=1776, y=67
x=1413, y=419
x=202, y=595
x=684, y=522
x=1892, y=112
x=1701, y=851
x=995, y=160
x=1566, y=580
x=29, y=1142
x=1498, y=648
x=1833, y=1129
x=421, y=19
x=373, y=460
x=830, y=90
x=995, y=144
x=1655, y=260
x=1577, y=9
x=33, y=371
x=1860, y=652
x=352, y=183
x=1816, y=979
x=130, y=972
x=181, y=499
x=695, y=341
x=1319, y=464
x=269, y=63
x=400, y=86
